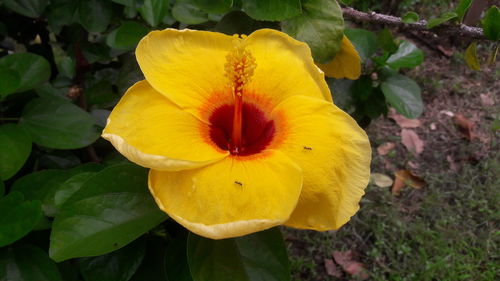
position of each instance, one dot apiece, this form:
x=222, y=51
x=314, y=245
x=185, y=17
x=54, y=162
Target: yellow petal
x=346, y=64
x=334, y=154
x=187, y=66
x=284, y=67
x=233, y=197
x=153, y=132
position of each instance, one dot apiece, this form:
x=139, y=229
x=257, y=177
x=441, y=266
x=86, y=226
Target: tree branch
x=445, y=29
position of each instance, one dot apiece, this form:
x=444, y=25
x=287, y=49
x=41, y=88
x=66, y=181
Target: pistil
x=240, y=65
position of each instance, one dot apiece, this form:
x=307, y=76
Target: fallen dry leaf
x=412, y=141
x=465, y=126
x=381, y=180
x=487, y=100
x=349, y=265
x=332, y=269
x=402, y=121
x=385, y=148
x=404, y=178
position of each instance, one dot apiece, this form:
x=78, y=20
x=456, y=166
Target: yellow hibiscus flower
x=240, y=134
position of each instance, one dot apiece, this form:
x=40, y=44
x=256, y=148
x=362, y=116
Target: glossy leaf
x=10, y=81
x=188, y=14
x=61, y=13
x=273, y=10
x=15, y=147
x=462, y=8
x=386, y=41
x=29, y=8
x=32, y=70
x=153, y=11
x=320, y=25
x=17, y=217
x=258, y=256
x=119, y=265
x=407, y=55
x=126, y=36
x=59, y=124
x=365, y=42
x=95, y=15
x=491, y=23
x=111, y=209
x=404, y=95
x=410, y=17
x=213, y=6
x=27, y=263
x=442, y=19
x=471, y=57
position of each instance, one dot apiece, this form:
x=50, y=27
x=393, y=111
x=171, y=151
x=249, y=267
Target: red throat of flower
x=240, y=65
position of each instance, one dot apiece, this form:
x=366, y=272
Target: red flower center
x=257, y=131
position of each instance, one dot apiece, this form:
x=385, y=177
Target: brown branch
x=445, y=29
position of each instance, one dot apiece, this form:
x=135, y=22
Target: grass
x=448, y=231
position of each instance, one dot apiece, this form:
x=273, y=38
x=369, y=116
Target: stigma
x=239, y=69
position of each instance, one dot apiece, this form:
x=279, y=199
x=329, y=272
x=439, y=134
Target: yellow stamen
x=240, y=65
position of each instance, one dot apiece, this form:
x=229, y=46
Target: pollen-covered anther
x=239, y=67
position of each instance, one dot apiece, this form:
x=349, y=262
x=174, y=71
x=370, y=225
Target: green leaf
x=471, y=57
x=126, y=36
x=188, y=14
x=213, y=6
x=386, y=41
x=410, y=17
x=365, y=42
x=152, y=267
x=462, y=8
x=59, y=124
x=176, y=262
x=17, y=217
x=119, y=265
x=29, y=8
x=320, y=25
x=111, y=209
x=61, y=13
x=65, y=64
x=95, y=15
x=273, y=10
x=27, y=263
x=491, y=23
x=153, y=11
x=128, y=3
x=32, y=70
x=258, y=256
x=2, y=189
x=404, y=95
x=11, y=80
x=15, y=147
x=237, y=22
x=407, y=55
x=66, y=189
x=442, y=19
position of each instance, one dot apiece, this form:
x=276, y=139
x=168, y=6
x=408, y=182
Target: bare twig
x=444, y=29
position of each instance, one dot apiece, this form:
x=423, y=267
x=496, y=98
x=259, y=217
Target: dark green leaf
x=491, y=23
x=273, y=10
x=32, y=69
x=213, y=6
x=66, y=189
x=10, y=81
x=153, y=11
x=258, y=256
x=341, y=93
x=101, y=95
x=61, y=13
x=404, y=95
x=365, y=42
x=65, y=64
x=29, y=8
x=152, y=267
x=59, y=159
x=2, y=189
x=442, y=19
x=362, y=88
x=128, y=3
x=176, y=262
x=410, y=17
x=15, y=147
x=462, y=8
x=237, y=22
x=59, y=124
x=95, y=15
x=321, y=26
x=119, y=265
x=111, y=209
x=188, y=14
x=126, y=36
x=17, y=217
x=386, y=41
x=471, y=57
x=407, y=55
